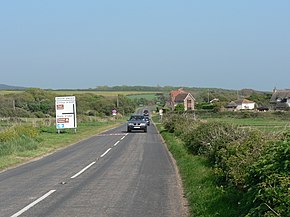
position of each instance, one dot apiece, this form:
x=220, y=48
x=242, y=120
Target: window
x=189, y=104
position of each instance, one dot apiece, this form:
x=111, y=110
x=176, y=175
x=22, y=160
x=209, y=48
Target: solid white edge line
x=33, y=203
x=83, y=170
x=116, y=143
x=106, y=152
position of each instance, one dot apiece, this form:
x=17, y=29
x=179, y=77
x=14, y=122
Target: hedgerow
x=255, y=163
x=269, y=181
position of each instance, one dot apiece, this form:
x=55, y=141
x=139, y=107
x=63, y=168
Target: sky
x=73, y=44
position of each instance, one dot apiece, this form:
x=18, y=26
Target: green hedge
x=251, y=161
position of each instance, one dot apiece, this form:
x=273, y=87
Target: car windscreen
x=136, y=118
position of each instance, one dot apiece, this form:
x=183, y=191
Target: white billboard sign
x=65, y=109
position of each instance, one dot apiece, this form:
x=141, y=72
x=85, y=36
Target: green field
x=131, y=94
x=148, y=96
x=265, y=124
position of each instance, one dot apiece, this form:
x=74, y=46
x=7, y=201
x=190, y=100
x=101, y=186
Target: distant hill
x=8, y=87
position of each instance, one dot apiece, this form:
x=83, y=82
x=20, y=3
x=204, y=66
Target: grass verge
x=204, y=197
x=47, y=142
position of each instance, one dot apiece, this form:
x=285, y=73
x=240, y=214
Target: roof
x=174, y=93
x=232, y=104
x=243, y=101
x=180, y=97
x=280, y=94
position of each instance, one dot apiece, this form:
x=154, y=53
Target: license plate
x=137, y=127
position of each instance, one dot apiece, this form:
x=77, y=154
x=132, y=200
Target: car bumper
x=137, y=127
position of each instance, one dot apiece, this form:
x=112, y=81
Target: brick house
x=180, y=96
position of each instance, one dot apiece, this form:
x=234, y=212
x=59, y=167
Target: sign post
x=65, y=110
x=114, y=113
x=160, y=114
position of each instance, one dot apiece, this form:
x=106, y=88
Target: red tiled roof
x=175, y=93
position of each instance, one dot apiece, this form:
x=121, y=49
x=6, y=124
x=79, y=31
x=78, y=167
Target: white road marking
x=112, y=134
x=33, y=203
x=106, y=152
x=83, y=170
x=116, y=143
x=74, y=176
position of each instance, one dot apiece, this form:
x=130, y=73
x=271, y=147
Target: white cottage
x=243, y=104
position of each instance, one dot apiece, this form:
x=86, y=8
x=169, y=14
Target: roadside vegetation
x=20, y=143
x=27, y=122
x=27, y=119
x=243, y=171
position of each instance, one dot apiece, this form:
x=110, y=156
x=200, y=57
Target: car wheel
x=128, y=130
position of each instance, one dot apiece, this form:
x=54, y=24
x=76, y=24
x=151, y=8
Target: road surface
x=114, y=174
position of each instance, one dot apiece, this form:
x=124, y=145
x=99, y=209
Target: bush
x=235, y=157
x=178, y=123
x=209, y=137
x=18, y=139
x=255, y=163
x=269, y=181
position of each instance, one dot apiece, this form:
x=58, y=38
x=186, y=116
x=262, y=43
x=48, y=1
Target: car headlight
x=130, y=124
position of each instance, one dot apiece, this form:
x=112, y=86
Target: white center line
x=33, y=204
x=123, y=137
x=83, y=170
x=116, y=143
x=106, y=152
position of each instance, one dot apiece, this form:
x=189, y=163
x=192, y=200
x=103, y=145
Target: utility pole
x=13, y=104
x=208, y=95
x=117, y=100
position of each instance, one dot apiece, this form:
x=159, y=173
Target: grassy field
x=103, y=93
x=148, y=96
x=265, y=124
x=132, y=94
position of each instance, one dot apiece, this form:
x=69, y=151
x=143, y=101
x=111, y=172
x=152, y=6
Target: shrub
x=234, y=158
x=269, y=181
x=209, y=137
x=178, y=123
x=256, y=163
x=18, y=139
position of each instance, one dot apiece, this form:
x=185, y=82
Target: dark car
x=145, y=112
x=137, y=122
x=147, y=119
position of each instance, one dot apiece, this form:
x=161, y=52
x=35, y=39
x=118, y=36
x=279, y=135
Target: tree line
x=35, y=102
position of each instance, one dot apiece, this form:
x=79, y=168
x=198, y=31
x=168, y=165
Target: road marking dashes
x=116, y=143
x=74, y=176
x=33, y=203
x=106, y=152
x=113, y=134
x=83, y=170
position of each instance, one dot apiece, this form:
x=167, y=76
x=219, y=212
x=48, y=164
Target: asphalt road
x=108, y=175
